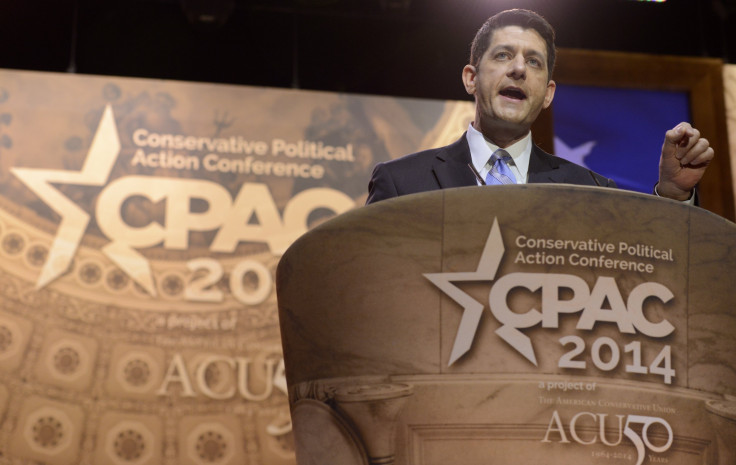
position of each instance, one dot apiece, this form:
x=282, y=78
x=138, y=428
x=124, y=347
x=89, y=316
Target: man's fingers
x=685, y=139
x=681, y=132
x=687, y=155
x=674, y=135
x=699, y=158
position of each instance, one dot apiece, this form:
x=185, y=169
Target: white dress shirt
x=481, y=150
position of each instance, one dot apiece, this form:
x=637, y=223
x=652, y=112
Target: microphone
x=477, y=174
x=595, y=180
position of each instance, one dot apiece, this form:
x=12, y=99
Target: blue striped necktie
x=500, y=172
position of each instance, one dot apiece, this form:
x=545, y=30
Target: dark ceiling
x=413, y=48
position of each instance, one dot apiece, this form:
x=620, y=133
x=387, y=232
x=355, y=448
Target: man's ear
x=469, y=75
x=549, y=93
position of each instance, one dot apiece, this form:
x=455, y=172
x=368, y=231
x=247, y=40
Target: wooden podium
x=512, y=325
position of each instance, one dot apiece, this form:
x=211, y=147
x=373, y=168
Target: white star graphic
x=96, y=170
x=574, y=154
x=97, y=166
x=472, y=309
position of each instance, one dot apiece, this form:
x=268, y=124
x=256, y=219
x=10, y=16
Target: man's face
x=510, y=84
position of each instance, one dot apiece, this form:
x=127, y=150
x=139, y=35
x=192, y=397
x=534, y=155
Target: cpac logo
x=227, y=215
x=582, y=430
x=629, y=316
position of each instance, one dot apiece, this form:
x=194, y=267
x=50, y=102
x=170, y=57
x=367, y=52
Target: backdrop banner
x=141, y=222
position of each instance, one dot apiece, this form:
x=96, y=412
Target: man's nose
x=517, y=68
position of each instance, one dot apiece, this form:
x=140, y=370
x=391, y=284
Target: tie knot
x=500, y=173
x=499, y=154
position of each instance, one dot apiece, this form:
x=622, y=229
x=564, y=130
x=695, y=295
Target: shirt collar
x=481, y=150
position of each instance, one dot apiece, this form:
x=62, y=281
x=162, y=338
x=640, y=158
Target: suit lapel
x=544, y=168
x=451, y=165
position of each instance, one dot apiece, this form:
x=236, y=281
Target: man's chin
x=513, y=112
x=513, y=121
x=505, y=130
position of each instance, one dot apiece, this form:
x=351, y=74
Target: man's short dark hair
x=525, y=19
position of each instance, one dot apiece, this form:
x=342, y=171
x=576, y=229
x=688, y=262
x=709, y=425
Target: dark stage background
x=413, y=48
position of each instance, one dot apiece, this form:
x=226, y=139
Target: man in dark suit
x=511, y=63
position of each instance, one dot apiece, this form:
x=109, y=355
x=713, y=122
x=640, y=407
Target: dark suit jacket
x=447, y=167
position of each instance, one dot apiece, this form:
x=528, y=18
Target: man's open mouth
x=514, y=93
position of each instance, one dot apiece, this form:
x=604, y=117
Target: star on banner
x=98, y=164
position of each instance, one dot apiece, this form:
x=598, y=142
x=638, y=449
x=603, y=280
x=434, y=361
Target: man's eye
x=503, y=55
x=534, y=62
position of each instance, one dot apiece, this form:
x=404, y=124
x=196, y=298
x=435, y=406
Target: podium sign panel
x=513, y=324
